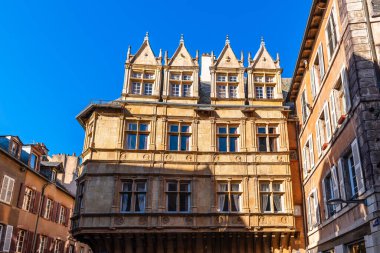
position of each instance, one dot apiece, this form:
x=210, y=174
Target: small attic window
x=53, y=175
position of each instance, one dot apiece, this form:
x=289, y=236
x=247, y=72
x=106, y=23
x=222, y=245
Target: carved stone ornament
x=216, y=158
x=189, y=220
x=237, y=220
x=123, y=156
x=257, y=159
x=238, y=158
x=280, y=158
x=189, y=158
x=165, y=220
x=220, y=219
x=146, y=157
x=143, y=220
x=284, y=220
x=168, y=157
x=119, y=221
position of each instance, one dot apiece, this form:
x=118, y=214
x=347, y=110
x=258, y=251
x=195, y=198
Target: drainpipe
x=38, y=216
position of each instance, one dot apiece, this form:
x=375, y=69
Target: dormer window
x=15, y=148
x=186, y=77
x=149, y=76
x=269, y=79
x=33, y=161
x=53, y=175
x=136, y=74
x=221, y=78
x=136, y=88
x=259, y=79
x=232, y=78
x=175, y=77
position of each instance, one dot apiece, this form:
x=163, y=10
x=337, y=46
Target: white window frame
x=8, y=238
x=316, y=207
x=48, y=206
x=7, y=189
x=333, y=14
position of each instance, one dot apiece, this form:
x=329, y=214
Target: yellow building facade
x=184, y=162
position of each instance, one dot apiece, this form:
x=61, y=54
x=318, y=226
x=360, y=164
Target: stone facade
x=179, y=164
x=336, y=93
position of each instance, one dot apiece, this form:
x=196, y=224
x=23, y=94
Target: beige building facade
x=335, y=88
x=181, y=163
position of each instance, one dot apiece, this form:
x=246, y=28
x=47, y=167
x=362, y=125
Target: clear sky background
x=57, y=56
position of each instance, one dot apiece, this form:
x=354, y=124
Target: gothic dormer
x=142, y=74
x=227, y=77
x=264, y=77
x=181, y=76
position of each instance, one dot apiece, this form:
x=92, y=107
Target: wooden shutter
x=21, y=196
x=48, y=246
x=325, y=198
x=358, y=167
x=36, y=202
x=8, y=238
x=311, y=151
x=62, y=246
x=334, y=177
x=29, y=242
x=53, y=212
x=38, y=241
x=67, y=216
x=316, y=206
x=14, y=240
x=342, y=187
x=43, y=209
x=334, y=120
x=327, y=121
x=58, y=212
x=345, y=83
x=321, y=61
x=318, y=137
x=312, y=81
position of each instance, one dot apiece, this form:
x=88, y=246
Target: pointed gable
x=145, y=55
x=262, y=59
x=181, y=57
x=227, y=58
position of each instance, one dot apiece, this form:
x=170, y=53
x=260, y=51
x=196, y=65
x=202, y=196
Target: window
x=259, y=79
x=179, y=137
x=42, y=245
x=28, y=199
x=71, y=248
x=175, y=77
x=233, y=92
x=148, y=89
x=313, y=217
x=375, y=8
x=220, y=78
x=186, y=90
x=330, y=188
x=62, y=215
x=33, y=161
x=136, y=74
x=351, y=174
x=80, y=197
x=229, y=197
x=308, y=155
x=136, y=88
x=340, y=102
x=304, y=106
x=149, y=76
x=357, y=247
x=137, y=136
x=228, y=138
x=323, y=129
x=269, y=79
x=259, y=92
x=271, y=195
x=317, y=72
x=178, y=196
x=270, y=92
x=8, y=238
x=175, y=88
x=89, y=134
x=331, y=33
x=53, y=175
x=48, y=208
x=81, y=250
x=232, y=79
x=15, y=149
x=20, y=240
x=133, y=196
x=58, y=246
x=221, y=91
x=186, y=77
x=7, y=189
x=267, y=138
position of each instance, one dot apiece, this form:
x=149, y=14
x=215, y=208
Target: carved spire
x=197, y=55
x=278, y=57
x=160, y=54
x=166, y=57
x=146, y=38
x=212, y=57
x=181, y=41
x=129, y=52
x=227, y=39
x=262, y=41
x=242, y=56
x=249, y=56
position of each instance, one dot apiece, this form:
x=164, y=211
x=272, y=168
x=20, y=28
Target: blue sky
x=57, y=56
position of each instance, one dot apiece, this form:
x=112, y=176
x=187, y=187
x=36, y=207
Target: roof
x=311, y=31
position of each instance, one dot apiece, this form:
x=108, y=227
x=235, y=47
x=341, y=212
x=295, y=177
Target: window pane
x=144, y=127
x=233, y=144
x=148, y=89
x=223, y=202
x=262, y=144
x=222, y=130
x=175, y=90
x=33, y=161
x=172, y=202
x=233, y=130
x=264, y=187
x=265, y=202
x=143, y=141
x=131, y=141
x=277, y=202
x=185, y=143
x=259, y=92
x=172, y=186
x=272, y=144
x=235, y=187
x=272, y=130
x=261, y=130
x=186, y=90
x=140, y=202
x=184, y=200
x=136, y=88
x=270, y=93
x=233, y=92
x=126, y=199
x=140, y=186
x=132, y=126
x=127, y=186
x=173, y=128
x=221, y=89
x=277, y=187
x=223, y=187
x=235, y=202
x=222, y=144
x=185, y=129
x=173, y=142
x=184, y=187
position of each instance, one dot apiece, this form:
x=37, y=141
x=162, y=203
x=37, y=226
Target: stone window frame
x=20, y=240
x=263, y=82
x=228, y=136
x=230, y=194
x=271, y=192
x=179, y=133
x=28, y=201
x=133, y=193
x=268, y=135
x=137, y=132
x=178, y=193
x=144, y=77
x=181, y=79
x=227, y=83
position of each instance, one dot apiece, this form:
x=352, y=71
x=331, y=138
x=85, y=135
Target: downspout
x=372, y=44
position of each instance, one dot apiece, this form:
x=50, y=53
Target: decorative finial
x=166, y=57
x=197, y=54
x=227, y=39
x=278, y=57
x=128, y=52
x=146, y=36
x=241, y=56
x=249, y=56
x=181, y=41
x=262, y=41
x=160, y=54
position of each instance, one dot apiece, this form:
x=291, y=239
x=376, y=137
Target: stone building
x=182, y=164
x=34, y=206
x=335, y=88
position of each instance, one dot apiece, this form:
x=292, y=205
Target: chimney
x=205, y=68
